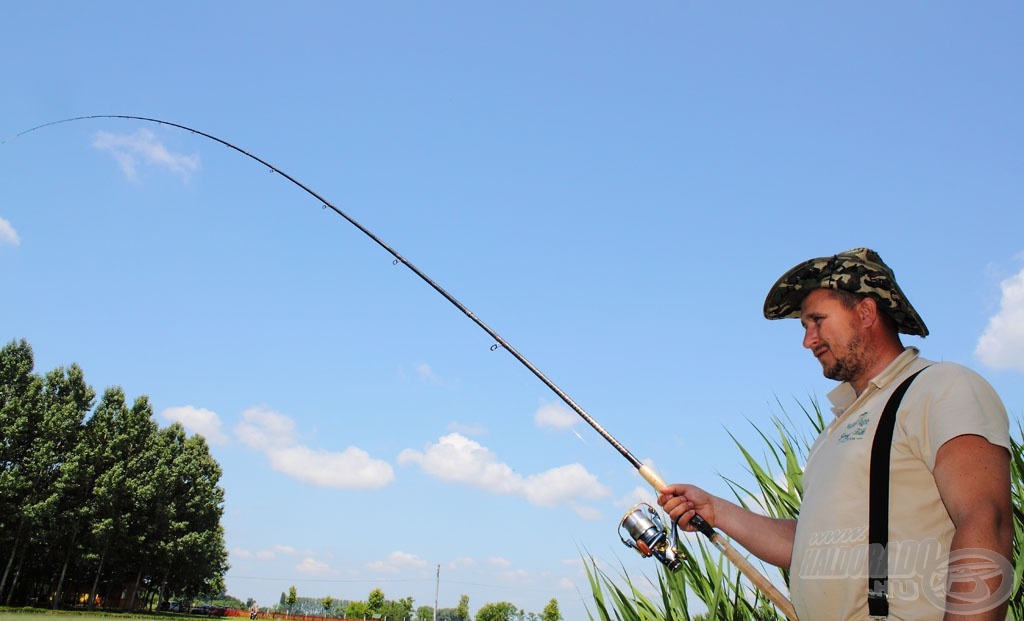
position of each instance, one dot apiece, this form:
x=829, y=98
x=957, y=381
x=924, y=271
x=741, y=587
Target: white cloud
x=555, y=415
x=570, y=481
x=273, y=434
x=381, y=567
x=462, y=561
x=260, y=555
x=406, y=560
x=459, y=459
x=1002, y=344
x=396, y=562
x=639, y=494
x=425, y=373
x=129, y=149
x=313, y=567
x=514, y=575
x=263, y=426
x=497, y=561
x=472, y=429
x=591, y=514
x=197, y=420
x=8, y=235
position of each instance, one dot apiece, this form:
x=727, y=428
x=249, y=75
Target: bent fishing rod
x=648, y=473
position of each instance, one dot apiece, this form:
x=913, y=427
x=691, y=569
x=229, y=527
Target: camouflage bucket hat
x=860, y=271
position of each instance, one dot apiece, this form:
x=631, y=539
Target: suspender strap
x=878, y=504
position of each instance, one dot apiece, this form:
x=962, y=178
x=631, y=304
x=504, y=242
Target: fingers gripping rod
x=745, y=567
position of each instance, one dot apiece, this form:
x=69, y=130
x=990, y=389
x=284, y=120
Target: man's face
x=832, y=332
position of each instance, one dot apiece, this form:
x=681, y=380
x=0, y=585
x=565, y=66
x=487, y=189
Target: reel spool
x=647, y=536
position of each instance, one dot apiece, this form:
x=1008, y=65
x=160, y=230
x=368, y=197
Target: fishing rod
x=648, y=473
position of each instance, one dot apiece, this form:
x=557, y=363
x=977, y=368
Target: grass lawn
x=37, y=614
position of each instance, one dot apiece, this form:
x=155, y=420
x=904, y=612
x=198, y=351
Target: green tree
x=375, y=601
x=327, y=603
x=74, y=514
x=293, y=597
x=462, y=610
x=499, y=611
x=19, y=395
x=127, y=487
x=398, y=610
x=424, y=613
x=192, y=552
x=551, y=611
x=46, y=433
x=448, y=614
x=357, y=610
x=107, y=498
x=66, y=398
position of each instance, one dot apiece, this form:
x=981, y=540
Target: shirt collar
x=843, y=395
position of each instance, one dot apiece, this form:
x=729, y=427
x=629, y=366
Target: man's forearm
x=769, y=539
x=980, y=566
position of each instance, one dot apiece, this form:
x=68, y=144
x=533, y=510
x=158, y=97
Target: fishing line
x=645, y=471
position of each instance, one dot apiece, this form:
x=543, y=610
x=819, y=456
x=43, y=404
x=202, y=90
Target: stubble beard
x=848, y=365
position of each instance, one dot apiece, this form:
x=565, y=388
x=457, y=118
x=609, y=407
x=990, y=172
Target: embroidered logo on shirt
x=855, y=429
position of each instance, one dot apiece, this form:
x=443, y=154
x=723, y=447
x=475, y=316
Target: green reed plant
x=1017, y=496
x=708, y=581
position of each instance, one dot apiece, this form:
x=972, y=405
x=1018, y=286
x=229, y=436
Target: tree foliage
x=499, y=611
x=356, y=610
x=462, y=610
x=292, y=599
x=100, y=505
x=376, y=601
x=551, y=612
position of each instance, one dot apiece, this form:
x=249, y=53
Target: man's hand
x=769, y=539
x=681, y=502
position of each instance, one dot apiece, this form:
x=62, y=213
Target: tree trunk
x=135, y=590
x=96, y=580
x=59, y=595
x=14, y=581
x=10, y=559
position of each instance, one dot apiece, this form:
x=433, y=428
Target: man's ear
x=867, y=311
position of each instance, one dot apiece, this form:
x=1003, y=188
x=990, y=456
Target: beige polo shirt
x=828, y=577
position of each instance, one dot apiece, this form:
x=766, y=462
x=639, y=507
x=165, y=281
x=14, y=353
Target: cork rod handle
x=731, y=553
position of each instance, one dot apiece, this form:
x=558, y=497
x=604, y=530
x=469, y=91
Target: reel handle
x=717, y=540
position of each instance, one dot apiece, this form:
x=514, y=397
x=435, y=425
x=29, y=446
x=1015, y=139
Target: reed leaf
x=777, y=491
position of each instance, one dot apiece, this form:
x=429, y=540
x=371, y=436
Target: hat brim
x=786, y=297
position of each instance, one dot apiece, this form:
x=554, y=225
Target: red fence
x=284, y=616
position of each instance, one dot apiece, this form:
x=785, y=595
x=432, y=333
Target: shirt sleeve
x=948, y=400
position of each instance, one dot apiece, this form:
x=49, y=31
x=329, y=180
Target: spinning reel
x=648, y=537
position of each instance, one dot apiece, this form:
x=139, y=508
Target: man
x=945, y=551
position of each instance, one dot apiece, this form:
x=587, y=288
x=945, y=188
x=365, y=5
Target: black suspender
x=878, y=504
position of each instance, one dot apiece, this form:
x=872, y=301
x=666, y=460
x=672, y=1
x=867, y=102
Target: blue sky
x=612, y=188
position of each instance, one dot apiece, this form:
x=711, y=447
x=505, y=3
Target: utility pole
x=437, y=587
